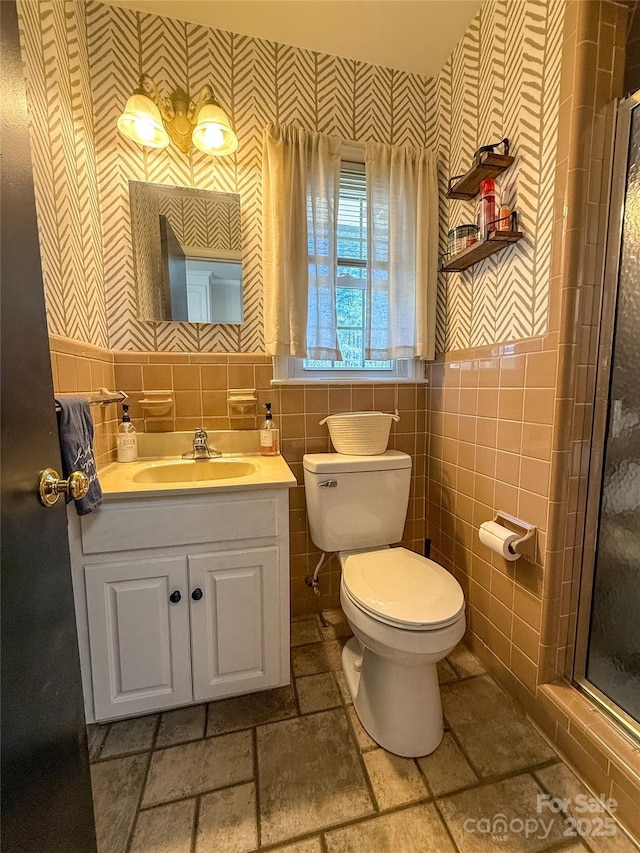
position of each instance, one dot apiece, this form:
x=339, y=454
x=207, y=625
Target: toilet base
x=399, y=706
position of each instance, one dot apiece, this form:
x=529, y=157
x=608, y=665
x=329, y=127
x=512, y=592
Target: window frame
x=291, y=370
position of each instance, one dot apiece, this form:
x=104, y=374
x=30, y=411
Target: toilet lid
x=404, y=588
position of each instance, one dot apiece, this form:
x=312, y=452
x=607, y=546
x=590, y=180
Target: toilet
x=406, y=611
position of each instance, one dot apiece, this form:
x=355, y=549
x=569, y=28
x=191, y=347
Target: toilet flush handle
x=328, y=484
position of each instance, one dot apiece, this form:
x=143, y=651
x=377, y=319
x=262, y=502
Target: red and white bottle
x=486, y=208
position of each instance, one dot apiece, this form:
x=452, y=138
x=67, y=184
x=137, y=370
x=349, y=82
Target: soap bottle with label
x=269, y=435
x=127, y=438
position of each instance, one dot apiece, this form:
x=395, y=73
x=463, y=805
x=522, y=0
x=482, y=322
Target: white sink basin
x=193, y=471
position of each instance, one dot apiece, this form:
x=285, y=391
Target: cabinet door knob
x=175, y=597
x=196, y=594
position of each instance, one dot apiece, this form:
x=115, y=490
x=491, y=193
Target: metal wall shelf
x=497, y=241
x=490, y=165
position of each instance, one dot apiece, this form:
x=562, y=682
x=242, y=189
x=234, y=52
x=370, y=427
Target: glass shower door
x=612, y=664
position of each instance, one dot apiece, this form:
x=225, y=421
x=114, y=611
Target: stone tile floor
x=293, y=770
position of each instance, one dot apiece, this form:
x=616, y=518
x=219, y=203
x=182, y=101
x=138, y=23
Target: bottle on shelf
x=504, y=223
x=127, y=438
x=486, y=208
x=269, y=435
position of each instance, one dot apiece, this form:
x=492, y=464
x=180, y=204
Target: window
x=351, y=298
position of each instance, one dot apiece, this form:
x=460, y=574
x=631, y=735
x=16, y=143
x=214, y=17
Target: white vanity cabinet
x=181, y=599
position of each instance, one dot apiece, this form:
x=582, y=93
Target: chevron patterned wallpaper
x=84, y=59
x=54, y=47
x=503, y=79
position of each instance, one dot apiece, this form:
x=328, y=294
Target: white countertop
x=117, y=479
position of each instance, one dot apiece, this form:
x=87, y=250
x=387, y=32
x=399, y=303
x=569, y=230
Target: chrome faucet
x=201, y=449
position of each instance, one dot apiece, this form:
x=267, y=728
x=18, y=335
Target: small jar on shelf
x=461, y=238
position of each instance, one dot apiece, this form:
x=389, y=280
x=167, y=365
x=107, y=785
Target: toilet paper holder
x=525, y=546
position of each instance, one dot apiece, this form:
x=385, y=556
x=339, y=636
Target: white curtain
x=300, y=185
x=402, y=204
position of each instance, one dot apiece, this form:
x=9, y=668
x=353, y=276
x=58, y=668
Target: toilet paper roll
x=498, y=538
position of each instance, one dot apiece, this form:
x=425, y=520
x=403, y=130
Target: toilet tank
x=356, y=501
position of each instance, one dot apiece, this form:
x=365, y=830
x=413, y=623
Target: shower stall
x=607, y=662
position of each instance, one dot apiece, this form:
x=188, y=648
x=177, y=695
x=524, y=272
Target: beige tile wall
x=490, y=438
x=199, y=383
x=84, y=368
x=509, y=428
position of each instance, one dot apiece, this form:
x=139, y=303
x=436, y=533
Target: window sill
x=364, y=381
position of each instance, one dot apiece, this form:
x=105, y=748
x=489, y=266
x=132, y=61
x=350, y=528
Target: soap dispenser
x=127, y=438
x=269, y=435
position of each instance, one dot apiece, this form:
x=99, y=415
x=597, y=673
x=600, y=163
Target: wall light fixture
x=153, y=120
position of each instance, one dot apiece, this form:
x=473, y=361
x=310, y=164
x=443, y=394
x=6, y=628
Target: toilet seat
x=402, y=588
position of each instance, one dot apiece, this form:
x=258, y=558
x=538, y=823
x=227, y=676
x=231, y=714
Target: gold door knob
x=51, y=486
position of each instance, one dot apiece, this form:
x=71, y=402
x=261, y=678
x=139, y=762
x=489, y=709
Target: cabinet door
x=235, y=625
x=139, y=638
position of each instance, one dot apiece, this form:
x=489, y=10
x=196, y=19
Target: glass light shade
x=213, y=133
x=141, y=121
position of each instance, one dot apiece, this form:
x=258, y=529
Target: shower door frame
x=602, y=403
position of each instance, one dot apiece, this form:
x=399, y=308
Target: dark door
x=46, y=789
x=174, y=271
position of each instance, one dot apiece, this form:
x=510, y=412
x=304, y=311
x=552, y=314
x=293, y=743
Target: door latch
x=51, y=486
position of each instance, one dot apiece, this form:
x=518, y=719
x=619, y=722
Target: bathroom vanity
x=182, y=585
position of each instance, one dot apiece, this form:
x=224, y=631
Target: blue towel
x=75, y=428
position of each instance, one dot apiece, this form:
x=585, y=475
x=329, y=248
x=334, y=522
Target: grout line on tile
x=363, y=766
x=124, y=754
x=444, y=823
x=501, y=777
x=103, y=740
x=256, y=785
x=206, y=721
x=156, y=747
x=143, y=787
x=464, y=754
x=196, y=822
x=294, y=685
x=321, y=831
x=278, y=845
x=424, y=776
x=202, y=793
x=493, y=780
